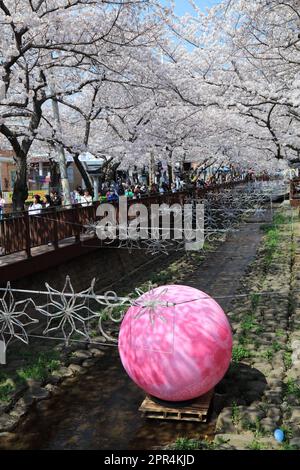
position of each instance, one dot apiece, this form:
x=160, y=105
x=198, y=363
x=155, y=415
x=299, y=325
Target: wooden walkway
x=17, y=265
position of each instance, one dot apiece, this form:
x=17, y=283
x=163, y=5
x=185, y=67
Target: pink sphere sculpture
x=175, y=343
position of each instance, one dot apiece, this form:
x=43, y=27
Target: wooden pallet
x=196, y=411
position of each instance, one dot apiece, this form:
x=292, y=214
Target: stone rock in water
x=175, y=352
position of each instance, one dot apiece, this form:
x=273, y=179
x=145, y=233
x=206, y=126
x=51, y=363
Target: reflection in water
x=97, y=411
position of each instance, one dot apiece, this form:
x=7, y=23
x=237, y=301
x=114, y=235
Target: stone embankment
x=261, y=391
x=75, y=360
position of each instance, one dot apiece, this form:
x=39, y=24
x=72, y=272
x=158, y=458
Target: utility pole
x=61, y=157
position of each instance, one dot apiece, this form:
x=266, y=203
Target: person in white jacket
x=2, y=204
x=86, y=200
x=36, y=207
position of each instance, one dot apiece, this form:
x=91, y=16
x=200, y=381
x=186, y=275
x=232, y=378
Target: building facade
x=39, y=174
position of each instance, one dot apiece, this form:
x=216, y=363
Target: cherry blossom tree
x=53, y=51
x=134, y=83
x=248, y=54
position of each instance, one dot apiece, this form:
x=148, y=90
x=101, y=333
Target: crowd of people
x=136, y=187
x=195, y=179
x=55, y=200
x=111, y=191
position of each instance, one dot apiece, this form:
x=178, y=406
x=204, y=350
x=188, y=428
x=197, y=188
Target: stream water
x=99, y=411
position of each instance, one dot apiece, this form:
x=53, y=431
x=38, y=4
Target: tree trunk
x=84, y=175
x=112, y=171
x=151, y=169
x=170, y=174
x=20, y=191
x=54, y=175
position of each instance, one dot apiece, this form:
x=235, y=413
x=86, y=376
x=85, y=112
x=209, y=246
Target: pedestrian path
x=221, y=272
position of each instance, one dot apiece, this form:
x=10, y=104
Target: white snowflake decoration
x=150, y=303
x=13, y=318
x=154, y=246
x=130, y=244
x=91, y=228
x=68, y=312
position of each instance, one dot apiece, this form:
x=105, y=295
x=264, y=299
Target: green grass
x=239, y=353
x=6, y=390
x=276, y=346
x=183, y=443
x=243, y=339
x=288, y=432
x=249, y=324
x=112, y=312
x=254, y=301
x=207, y=246
x=104, y=314
x=220, y=441
x=7, y=387
x=268, y=354
x=291, y=388
x=287, y=359
x=235, y=414
x=280, y=333
x=3, y=376
x=287, y=446
x=94, y=333
x=256, y=445
x=40, y=367
x=266, y=227
x=280, y=219
x=162, y=277
x=272, y=238
x=256, y=427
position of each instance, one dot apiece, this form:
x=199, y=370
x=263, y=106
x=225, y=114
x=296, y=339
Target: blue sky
x=183, y=6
